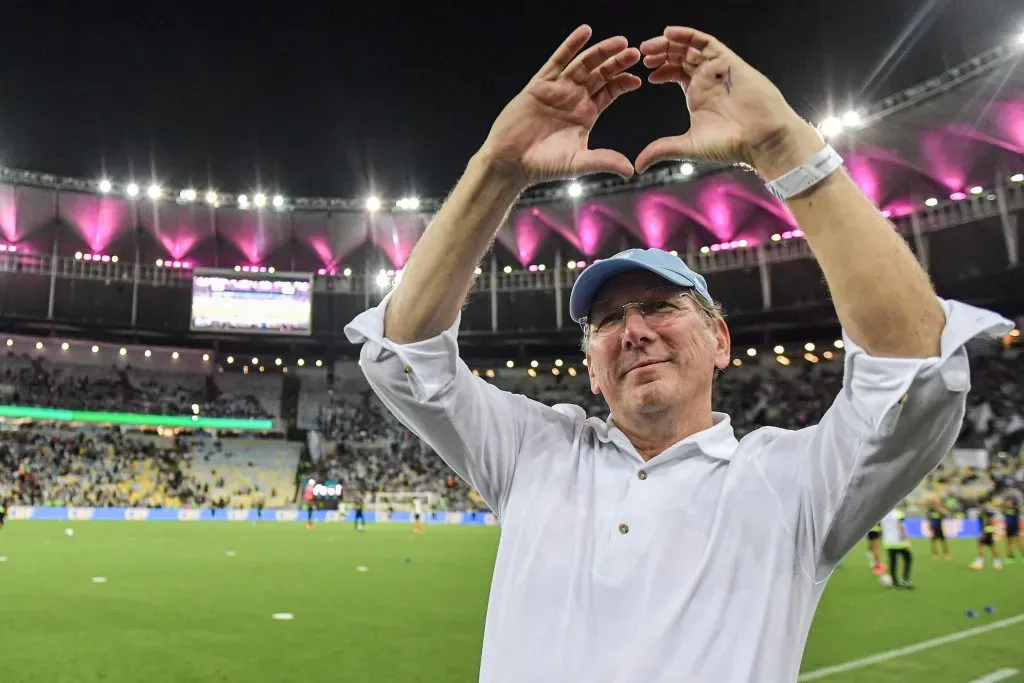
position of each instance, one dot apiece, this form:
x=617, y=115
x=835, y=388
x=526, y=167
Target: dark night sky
x=339, y=100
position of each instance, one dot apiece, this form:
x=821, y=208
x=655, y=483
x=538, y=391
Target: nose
x=636, y=331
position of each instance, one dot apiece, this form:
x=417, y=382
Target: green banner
x=139, y=419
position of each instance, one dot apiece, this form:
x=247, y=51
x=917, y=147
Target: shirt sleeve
x=891, y=424
x=476, y=428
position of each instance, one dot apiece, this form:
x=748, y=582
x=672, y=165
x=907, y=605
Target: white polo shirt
x=705, y=563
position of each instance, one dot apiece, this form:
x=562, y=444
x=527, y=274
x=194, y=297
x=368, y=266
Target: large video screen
x=253, y=303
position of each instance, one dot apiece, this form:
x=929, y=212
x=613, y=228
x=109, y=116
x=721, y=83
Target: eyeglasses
x=659, y=306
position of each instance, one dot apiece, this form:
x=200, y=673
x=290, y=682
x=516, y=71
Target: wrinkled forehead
x=633, y=286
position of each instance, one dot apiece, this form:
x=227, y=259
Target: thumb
x=675, y=147
x=601, y=161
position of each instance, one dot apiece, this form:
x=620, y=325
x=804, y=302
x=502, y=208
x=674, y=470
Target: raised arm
x=906, y=373
x=541, y=135
x=410, y=352
x=883, y=298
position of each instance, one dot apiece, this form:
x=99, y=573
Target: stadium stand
x=108, y=468
x=960, y=214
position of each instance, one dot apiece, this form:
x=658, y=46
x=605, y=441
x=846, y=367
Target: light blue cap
x=656, y=261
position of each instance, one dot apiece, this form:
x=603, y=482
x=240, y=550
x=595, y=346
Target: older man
x=655, y=546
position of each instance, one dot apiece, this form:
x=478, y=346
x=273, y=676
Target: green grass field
x=178, y=607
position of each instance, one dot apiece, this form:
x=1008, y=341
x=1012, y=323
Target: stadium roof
x=936, y=141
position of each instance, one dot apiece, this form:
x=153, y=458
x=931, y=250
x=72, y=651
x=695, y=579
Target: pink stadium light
x=321, y=271
x=186, y=264
x=581, y=264
x=533, y=268
x=798, y=233
x=176, y=264
x=886, y=213
x=716, y=247
x=105, y=258
x=958, y=196
x=787, y=235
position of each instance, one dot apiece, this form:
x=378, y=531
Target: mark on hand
x=726, y=79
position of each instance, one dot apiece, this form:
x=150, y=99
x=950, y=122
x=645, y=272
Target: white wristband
x=802, y=178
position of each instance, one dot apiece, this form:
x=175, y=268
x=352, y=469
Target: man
x=360, y=519
x=417, y=516
x=895, y=540
x=875, y=550
x=1011, y=521
x=936, y=514
x=308, y=496
x=655, y=546
x=987, y=539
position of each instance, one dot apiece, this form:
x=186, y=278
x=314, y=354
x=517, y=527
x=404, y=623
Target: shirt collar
x=717, y=441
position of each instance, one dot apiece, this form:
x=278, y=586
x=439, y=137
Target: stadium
x=179, y=391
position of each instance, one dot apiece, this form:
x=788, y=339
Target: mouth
x=643, y=364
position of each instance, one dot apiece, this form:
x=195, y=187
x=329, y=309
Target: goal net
x=404, y=501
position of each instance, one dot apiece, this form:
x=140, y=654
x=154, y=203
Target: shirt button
x=641, y=475
x=623, y=528
x=407, y=369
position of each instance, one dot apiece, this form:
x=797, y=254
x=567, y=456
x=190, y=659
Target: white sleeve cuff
x=875, y=384
x=430, y=364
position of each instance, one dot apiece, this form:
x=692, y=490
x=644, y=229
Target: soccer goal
x=404, y=501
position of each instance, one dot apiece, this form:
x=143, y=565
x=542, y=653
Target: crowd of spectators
x=366, y=449
x=371, y=452
x=374, y=452
x=106, y=467
x=92, y=468
x=33, y=381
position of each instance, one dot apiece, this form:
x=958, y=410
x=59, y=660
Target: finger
x=654, y=61
x=654, y=45
x=694, y=57
x=595, y=55
x=662, y=149
x=705, y=42
x=565, y=52
x=601, y=161
x=670, y=73
x=611, y=68
x=616, y=87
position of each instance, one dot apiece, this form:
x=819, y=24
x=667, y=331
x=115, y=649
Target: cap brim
x=589, y=283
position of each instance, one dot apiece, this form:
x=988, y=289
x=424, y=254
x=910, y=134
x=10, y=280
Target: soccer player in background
x=875, y=550
x=417, y=516
x=1011, y=521
x=360, y=521
x=308, y=495
x=937, y=513
x=894, y=538
x=987, y=540
x=3, y=513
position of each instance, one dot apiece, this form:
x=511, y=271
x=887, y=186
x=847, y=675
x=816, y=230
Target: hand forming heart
x=737, y=115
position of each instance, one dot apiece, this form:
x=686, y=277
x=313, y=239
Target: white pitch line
x=908, y=650
x=996, y=676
